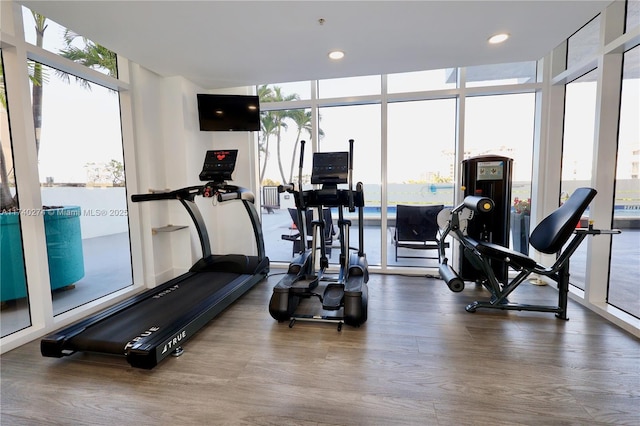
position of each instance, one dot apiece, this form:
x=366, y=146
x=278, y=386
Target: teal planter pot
x=12, y=281
x=64, y=246
x=64, y=251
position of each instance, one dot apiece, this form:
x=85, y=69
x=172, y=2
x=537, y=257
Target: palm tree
x=92, y=55
x=267, y=128
x=280, y=117
x=302, y=119
x=7, y=201
x=36, y=92
x=273, y=122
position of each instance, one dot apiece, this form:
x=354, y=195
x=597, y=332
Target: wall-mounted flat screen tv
x=228, y=112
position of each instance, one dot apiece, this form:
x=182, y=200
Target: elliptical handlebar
x=302, y=208
x=287, y=187
x=300, y=197
x=352, y=207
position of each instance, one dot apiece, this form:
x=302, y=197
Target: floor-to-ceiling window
x=502, y=125
x=421, y=140
x=81, y=168
x=623, y=292
x=406, y=143
x=362, y=124
x=69, y=156
x=598, y=79
x=281, y=135
x=577, y=153
x=579, y=130
x=13, y=292
x=281, y=138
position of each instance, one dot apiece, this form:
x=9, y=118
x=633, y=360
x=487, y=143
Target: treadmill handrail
x=186, y=196
x=187, y=193
x=222, y=192
x=233, y=192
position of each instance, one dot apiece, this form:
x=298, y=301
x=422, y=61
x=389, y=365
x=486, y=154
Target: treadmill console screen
x=330, y=167
x=219, y=165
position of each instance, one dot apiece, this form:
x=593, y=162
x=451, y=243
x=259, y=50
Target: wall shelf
x=168, y=228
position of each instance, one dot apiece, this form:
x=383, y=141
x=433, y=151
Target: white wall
x=170, y=150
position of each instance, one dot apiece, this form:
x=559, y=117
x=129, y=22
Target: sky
x=79, y=126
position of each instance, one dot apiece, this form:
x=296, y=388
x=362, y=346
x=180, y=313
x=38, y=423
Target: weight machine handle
x=475, y=203
x=592, y=231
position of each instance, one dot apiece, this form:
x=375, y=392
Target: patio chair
x=417, y=229
x=329, y=231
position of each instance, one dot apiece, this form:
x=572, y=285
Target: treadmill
x=154, y=324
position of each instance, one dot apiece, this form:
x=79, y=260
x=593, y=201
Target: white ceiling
x=221, y=44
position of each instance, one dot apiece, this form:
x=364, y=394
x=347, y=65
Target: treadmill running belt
x=113, y=334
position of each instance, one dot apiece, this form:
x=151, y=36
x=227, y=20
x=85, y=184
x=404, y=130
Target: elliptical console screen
x=330, y=167
x=219, y=165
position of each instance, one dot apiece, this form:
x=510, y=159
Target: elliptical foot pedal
x=307, y=283
x=332, y=297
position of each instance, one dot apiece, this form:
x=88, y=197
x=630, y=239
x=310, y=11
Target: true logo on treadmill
x=167, y=291
x=173, y=343
x=142, y=335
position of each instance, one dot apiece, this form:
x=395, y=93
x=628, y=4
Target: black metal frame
x=550, y=236
x=412, y=235
x=149, y=349
x=348, y=291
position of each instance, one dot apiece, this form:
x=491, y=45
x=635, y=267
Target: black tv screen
x=228, y=112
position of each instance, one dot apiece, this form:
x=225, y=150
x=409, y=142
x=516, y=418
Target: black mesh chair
x=417, y=229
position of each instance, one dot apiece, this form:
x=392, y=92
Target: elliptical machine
x=347, y=291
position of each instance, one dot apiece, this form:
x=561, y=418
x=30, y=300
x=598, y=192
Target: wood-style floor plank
x=420, y=359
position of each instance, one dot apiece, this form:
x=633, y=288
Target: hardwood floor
x=420, y=359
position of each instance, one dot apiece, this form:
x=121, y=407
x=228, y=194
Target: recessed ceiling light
x=498, y=38
x=336, y=54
